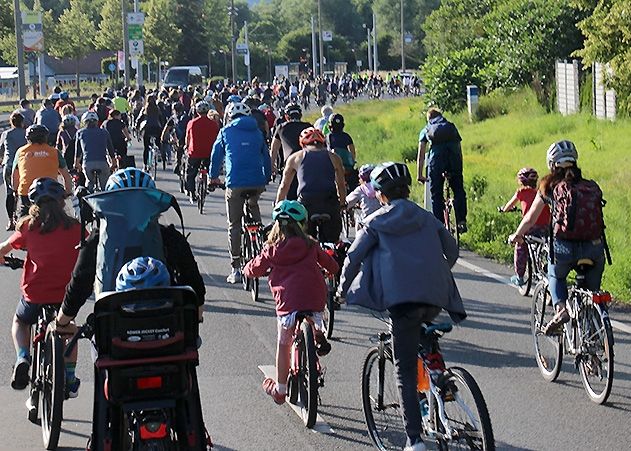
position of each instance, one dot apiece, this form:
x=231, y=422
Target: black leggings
x=149, y=133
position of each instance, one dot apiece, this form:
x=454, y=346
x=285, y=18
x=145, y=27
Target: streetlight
x=369, y=46
x=225, y=63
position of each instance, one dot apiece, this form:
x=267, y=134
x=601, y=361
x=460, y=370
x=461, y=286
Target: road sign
x=135, y=18
x=136, y=47
x=327, y=36
x=408, y=38
x=134, y=32
x=359, y=63
x=32, y=31
x=112, y=67
x=242, y=48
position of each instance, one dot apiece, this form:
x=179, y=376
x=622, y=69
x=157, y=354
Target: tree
x=160, y=32
x=73, y=36
x=110, y=29
x=191, y=48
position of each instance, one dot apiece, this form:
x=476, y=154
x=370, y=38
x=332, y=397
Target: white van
x=182, y=76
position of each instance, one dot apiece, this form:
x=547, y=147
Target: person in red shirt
x=201, y=133
x=525, y=195
x=296, y=261
x=50, y=238
x=64, y=99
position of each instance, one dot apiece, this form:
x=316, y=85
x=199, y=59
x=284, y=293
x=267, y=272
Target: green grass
x=517, y=133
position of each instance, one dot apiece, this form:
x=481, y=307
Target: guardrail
x=4, y=125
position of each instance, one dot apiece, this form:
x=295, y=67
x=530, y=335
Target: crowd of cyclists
x=246, y=135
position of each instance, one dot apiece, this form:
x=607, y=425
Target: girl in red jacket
x=296, y=281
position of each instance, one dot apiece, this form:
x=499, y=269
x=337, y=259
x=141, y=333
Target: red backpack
x=577, y=213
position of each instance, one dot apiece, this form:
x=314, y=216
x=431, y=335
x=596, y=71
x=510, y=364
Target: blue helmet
x=129, y=178
x=63, y=95
x=234, y=99
x=143, y=272
x=45, y=188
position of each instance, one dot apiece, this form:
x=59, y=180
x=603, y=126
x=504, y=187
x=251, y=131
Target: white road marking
x=321, y=426
x=491, y=275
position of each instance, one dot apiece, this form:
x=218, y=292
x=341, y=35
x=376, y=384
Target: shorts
x=287, y=326
x=27, y=312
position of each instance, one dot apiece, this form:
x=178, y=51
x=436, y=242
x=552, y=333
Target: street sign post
x=359, y=63
x=135, y=22
x=136, y=48
x=242, y=48
x=327, y=36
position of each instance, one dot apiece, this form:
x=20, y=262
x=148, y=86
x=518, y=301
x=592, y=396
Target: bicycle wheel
x=33, y=400
x=380, y=402
x=254, y=283
x=548, y=349
x=596, y=365
x=328, y=318
x=245, y=256
x=52, y=387
x=524, y=289
x=468, y=424
x=308, y=376
x=453, y=228
x=201, y=193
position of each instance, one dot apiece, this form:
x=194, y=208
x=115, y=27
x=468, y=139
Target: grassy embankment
x=517, y=133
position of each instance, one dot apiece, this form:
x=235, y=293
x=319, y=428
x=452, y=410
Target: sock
x=281, y=388
x=70, y=372
x=24, y=353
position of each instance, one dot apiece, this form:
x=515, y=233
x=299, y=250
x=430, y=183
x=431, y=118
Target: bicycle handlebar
x=213, y=187
x=85, y=331
x=13, y=262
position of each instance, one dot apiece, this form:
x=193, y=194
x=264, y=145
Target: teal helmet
x=289, y=209
x=129, y=178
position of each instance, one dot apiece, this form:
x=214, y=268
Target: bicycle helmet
x=364, y=172
x=561, y=154
x=289, y=210
x=70, y=119
x=89, y=116
x=336, y=122
x=37, y=134
x=234, y=110
x=389, y=175
x=326, y=110
x=202, y=107
x=143, y=272
x=45, y=188
x=63, y=95
x=294, y=111
x=263, y=107
x=527, y=175
x=234, y=99
x=311, y=136
x=129, y=178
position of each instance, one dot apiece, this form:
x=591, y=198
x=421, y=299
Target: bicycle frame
x=295, y=369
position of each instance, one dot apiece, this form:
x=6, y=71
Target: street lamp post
x=369, y=46
x=402, y=40
x=233, y=40
x=320, y=38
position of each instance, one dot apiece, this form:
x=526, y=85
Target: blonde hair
x=284, y=229
x=48, y=215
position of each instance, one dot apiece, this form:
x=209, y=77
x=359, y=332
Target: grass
x=516, y=133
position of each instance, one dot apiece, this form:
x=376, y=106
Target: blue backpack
x=180, y=126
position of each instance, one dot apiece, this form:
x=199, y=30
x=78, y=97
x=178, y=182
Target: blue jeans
x=447, y=158
x=566, y=256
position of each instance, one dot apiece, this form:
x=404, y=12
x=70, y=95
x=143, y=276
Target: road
x=494, y=344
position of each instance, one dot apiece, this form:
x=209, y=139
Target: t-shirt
x=201, y=134
x=527, y=196
x=35, y=161
x=115, y=128
x=93, y=144
x=289, y=135
x=10, y=141
x=121, y=104
x=50, y=260
x=339, y=142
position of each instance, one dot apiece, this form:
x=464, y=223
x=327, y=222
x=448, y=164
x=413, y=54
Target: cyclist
x=398, y=240
x=64, y=99
x=364, y=196
x=49, y=118
x=201, y=133
x=296, y=281
x=525, y=196
x=27, y=112
x=287, y=139
x=322, y=123
x=175, y=127
x=122, y=104
x=241, y=147
x=36, y=160
x=10, y=141
x=66, y=138
x=50, y=238
x=179, y=257
x=321, y=186
x=445, y=158
x=342, y=144
x=566, y=250
x=150, y=125
x=94, y=150
x=118, y=132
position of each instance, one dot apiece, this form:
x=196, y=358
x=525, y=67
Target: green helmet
x=289, y=209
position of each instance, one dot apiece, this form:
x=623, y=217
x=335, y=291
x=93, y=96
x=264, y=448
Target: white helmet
x=561, y=154
x=70, y=119
x=89, y=116
x=237, y=109
x=202, y=107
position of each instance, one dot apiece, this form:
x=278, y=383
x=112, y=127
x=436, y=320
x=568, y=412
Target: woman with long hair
x=151, y=123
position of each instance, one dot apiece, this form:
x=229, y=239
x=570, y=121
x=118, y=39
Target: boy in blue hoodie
x=401, y=262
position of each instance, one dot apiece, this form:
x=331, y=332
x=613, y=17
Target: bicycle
x=453, y=410
x=348, y=221
x=251, y=244
x=201, y=187
x=588, y=335
x=181, y=172
x=48, y=372
x=449, y=213
x=306, y=376
x=537, y=266
x=152, y=158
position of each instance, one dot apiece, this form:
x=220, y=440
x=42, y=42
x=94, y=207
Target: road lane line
x=321, y=426
x=491, y=275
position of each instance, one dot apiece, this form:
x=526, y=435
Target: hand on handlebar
x=421, y=179
x=67, y=329
x=515, y=239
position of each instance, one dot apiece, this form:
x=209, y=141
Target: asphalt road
x=494, y=344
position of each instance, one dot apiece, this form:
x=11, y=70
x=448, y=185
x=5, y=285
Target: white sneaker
x=416, y=447
x=235, y=276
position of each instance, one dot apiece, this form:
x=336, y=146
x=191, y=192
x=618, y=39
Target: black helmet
x=294, y=111
x=45, y=187
x=37, y=134
x=390, y=175
x=337, y=122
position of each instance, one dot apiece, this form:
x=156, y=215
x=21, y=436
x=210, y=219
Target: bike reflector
x=422, y=381
x=153, y=430
x=330, y=252
x=203, y=171
x=149, y=383
x=252, y=228
x=601, y=297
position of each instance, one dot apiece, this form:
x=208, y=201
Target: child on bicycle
x=525, y=195
x=364, y=196
x=401, y=262
x=296, y=261
x=50, y=238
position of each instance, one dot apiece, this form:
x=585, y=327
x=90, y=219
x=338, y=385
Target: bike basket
x=601, y=297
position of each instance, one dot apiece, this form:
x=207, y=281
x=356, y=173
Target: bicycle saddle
x=303, y=315
x=96, y=171
x=442, y=327
x=320, y=217
x=583, y=265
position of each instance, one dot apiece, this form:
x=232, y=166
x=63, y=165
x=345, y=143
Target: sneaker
x=72, y=389
x=235, y=276
x=10, y=226
x=462, y=227
x=20, y=377
x=323, y=347
x=557, y=322
x=518, y=281
x=416, y=447
x=270, y=387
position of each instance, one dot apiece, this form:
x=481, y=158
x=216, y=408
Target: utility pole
x=247, y=56
x=314, y=51
x=402, y=41
x=369, y=47
x=125, y=42
x=320, y=38
x=375, y=64
x=138, y=63
x=17, y=16
x=233, y=40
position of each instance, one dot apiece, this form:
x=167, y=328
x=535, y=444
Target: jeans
x=447, y=159
x=566, y=255
x=406, y=337
x=327, y=204
x=234, y=207
x=192, y=167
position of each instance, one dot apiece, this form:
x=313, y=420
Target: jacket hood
x=399, y=217
x=289, y=252
x=244, y=123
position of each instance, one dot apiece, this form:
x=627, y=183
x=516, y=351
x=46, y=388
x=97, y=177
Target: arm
x=351, y=149
x=288, y=176
x=353, y=197
x=5, y=248
x=529, y=220
x=363, y=244
x=326, y=261
x=420, y=161
x=510, y=204
x=16, y=175
x=110, y=146
x=78, y=154
x=165, y=132
x=217, y=156
x=67, y=179
x=340, y=180
x=258, y=266
x=81, y=285
x=126, y=133
x=181, y=262
x=276, y=146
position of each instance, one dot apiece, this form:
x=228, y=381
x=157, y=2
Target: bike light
x=330, y=252
x=153, y=430
x=148, y=383
x=601, y=297
x=252, y=228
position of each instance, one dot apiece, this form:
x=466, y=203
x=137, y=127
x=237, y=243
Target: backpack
x=442, y=131
x=577, y=211
x=128, y=228
x=180, y=126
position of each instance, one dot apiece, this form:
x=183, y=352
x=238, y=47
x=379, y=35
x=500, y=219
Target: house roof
x=8, y=73
x=91, y=64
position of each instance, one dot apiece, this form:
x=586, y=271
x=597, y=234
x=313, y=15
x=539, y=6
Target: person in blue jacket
x=401, y=262
x=248, y=168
